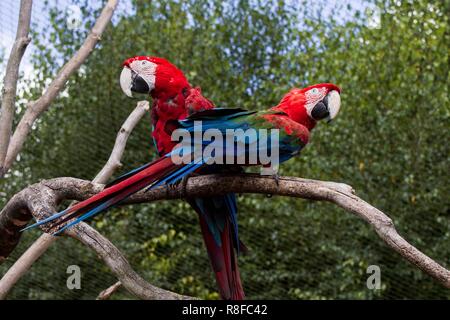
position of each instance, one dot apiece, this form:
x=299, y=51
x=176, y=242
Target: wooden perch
x=36, y=108
x=119, y=265
x=41, y=199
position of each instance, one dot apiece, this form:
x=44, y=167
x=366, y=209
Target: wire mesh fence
x=297, y=249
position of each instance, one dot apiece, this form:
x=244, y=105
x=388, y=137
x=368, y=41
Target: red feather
x=223, y=261
x=122, y=189
x=173, y=103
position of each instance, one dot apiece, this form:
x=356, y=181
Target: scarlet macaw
x=295, y=116
x=174, y=99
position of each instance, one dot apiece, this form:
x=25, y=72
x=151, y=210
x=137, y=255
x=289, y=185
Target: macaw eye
x=314, y=91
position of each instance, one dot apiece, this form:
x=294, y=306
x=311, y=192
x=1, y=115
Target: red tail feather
x=122, y=189
x=224, y=262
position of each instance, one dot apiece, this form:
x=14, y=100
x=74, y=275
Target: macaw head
x=311, y=104
x=152, y=75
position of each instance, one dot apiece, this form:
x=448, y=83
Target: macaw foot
x=276, y=177
x=186, y=177
x=183, y=183
x=271, y=171
x=171, y=186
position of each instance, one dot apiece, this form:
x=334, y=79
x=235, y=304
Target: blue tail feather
x=85, y=216
x=214, y=210
x=230, y=199
x=41, y=222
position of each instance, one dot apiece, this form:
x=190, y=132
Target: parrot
x=174, y=99
x=295, y=116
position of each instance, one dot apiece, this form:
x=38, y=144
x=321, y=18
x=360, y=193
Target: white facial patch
x=147, y=71
x=313, y=96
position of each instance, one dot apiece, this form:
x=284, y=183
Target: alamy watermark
x=74, y=17
x=374, y=280
x=74, y=280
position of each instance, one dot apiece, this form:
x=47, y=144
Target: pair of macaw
x=176, y=104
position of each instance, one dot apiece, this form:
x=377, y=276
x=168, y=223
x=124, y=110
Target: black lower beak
x=139, y=85
x=320, y=110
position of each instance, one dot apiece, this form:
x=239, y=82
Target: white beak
x=126, y=81
x=334, y=104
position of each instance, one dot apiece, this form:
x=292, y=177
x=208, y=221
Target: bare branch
x=337, y=193
x=11, y=78
x=40, y=246
x=107, y=293
x=42, y=199
x=118, y=264
x=24, y=263
x=113, y=162
x=37, y=107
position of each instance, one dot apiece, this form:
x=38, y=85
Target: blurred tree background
x=390, y=142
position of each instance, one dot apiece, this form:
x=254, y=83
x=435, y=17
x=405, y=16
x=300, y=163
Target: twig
x=106, y=294
x=37, y=198
x=113, y=162
x=40, y=246
x=23, y=264
x=11, y=78
x=37, y=107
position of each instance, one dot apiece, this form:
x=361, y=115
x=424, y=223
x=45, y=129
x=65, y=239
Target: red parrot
x=174, y=99
x=295, y=116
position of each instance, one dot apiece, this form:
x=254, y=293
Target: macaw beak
x=328, y=108
x=131, y=82
x=334, y=104
x=126, y=81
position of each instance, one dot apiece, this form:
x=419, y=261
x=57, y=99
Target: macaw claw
x=276, y=177
x=183, y=183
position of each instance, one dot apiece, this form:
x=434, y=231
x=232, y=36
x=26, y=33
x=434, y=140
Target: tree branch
x=40, y=246
x=118, y=264
x=39, y=106
x=107, y=293
x=37, y=199
x=113, y=162
x=24, y=263
x=11, y=78
x=43, y=198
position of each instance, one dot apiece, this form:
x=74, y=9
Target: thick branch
x=37, y=107
x=338, y=193
x=42, y=199
x=11, y=77
x=40, y=246
x=118, y=264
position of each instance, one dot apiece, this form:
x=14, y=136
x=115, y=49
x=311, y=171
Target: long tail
x=160, y=171
x=217, y=217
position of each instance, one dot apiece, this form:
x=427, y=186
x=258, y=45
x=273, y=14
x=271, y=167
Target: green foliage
x=390, y=143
